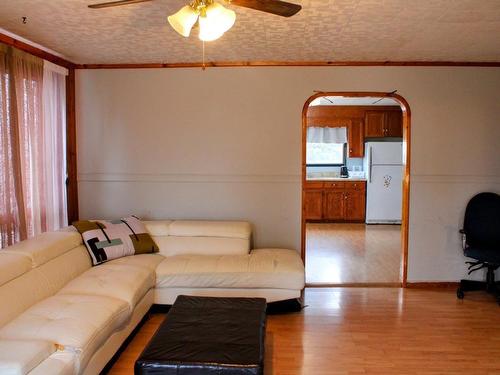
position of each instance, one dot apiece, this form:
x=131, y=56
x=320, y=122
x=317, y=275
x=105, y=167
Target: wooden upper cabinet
x=394, y=124
x=356, y=139
x=313, y=204
x=374, y=123
x=380, y=123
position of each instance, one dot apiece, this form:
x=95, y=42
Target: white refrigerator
x=383, y=166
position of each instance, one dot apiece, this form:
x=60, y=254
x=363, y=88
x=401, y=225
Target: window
x=32, y=146
x=325, y=154
x=326, y=146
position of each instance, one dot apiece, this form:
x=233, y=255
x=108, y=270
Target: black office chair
x=481, y=242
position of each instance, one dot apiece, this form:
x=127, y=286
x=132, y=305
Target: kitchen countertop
x=335, y=179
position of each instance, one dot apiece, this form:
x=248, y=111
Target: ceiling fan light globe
x=215, y=22
x=209, y=31
x=184, y=20
x=224, y=18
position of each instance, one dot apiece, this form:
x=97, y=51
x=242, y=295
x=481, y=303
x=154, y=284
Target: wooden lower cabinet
x=313, y=204
x=333, y=204
x=355, y=205
x=340, y=202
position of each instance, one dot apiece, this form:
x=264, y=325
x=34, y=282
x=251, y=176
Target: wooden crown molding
x=35, y=51
x=233, y=64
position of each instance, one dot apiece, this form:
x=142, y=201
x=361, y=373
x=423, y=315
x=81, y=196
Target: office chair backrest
x=482, y=221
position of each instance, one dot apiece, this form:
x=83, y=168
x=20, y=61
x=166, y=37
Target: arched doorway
x=406, y=122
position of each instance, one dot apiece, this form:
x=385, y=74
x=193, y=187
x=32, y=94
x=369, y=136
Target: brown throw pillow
x=107, y=240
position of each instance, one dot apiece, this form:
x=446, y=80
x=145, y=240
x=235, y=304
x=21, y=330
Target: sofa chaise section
x=274, y=274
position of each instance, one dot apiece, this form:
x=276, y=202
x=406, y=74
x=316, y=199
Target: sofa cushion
x=13, y=265
x=41, y=282
x=148, y=261
x=191, y=237
x=264, y=268
x=120, y=281
x=18, y=357
x=46, y=246
x=201, y=228
x=107, y=240
x=60, y=363
x=175, y=245
x=73, y=322
x=158, y=227
x=21, y=293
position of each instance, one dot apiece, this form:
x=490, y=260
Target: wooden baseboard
x=432, y=285
x=353, y=285
x=410, y=285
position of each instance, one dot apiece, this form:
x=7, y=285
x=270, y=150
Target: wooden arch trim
x=405, y=107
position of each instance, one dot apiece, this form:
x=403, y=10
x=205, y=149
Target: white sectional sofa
x=60, y=315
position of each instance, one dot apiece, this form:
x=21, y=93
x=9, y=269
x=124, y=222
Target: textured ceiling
x=325, y=30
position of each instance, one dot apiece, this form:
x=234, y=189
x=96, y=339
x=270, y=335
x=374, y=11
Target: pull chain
x=203, y=60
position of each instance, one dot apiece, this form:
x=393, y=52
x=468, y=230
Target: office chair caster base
x=490, y=285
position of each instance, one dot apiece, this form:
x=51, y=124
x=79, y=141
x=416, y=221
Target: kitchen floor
x=352, y=253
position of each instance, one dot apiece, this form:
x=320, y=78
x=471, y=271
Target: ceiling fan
x=213, y=19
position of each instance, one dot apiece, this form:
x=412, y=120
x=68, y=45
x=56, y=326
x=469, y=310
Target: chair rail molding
x=188, y=178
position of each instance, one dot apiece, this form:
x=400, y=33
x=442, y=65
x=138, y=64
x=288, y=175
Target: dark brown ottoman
x=209, y=336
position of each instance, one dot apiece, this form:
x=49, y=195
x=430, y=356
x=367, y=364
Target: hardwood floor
x=373, y=331
x=353, y=253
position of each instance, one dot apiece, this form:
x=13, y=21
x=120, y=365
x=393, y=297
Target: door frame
x=405, y=107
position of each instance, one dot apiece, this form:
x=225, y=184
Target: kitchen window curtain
x=320, y=134
x=32, y=146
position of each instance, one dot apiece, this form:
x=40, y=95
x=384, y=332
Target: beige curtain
x=54, y=129
x=25, y=164
x=10, y=188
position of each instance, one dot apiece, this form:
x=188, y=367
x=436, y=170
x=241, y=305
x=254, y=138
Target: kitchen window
x=326, y=146
x=325, y=154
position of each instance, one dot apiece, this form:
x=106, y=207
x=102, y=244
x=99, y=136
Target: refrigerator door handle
x=369, y=164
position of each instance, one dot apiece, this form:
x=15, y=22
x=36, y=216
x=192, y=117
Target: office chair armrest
x=464, y=238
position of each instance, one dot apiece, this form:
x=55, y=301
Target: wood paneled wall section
x=71, y=182
x=337, y=115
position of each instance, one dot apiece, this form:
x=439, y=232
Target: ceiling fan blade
x=116, y=3
x=280, y=8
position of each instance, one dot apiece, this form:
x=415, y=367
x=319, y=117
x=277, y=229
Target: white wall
x=225, y=143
